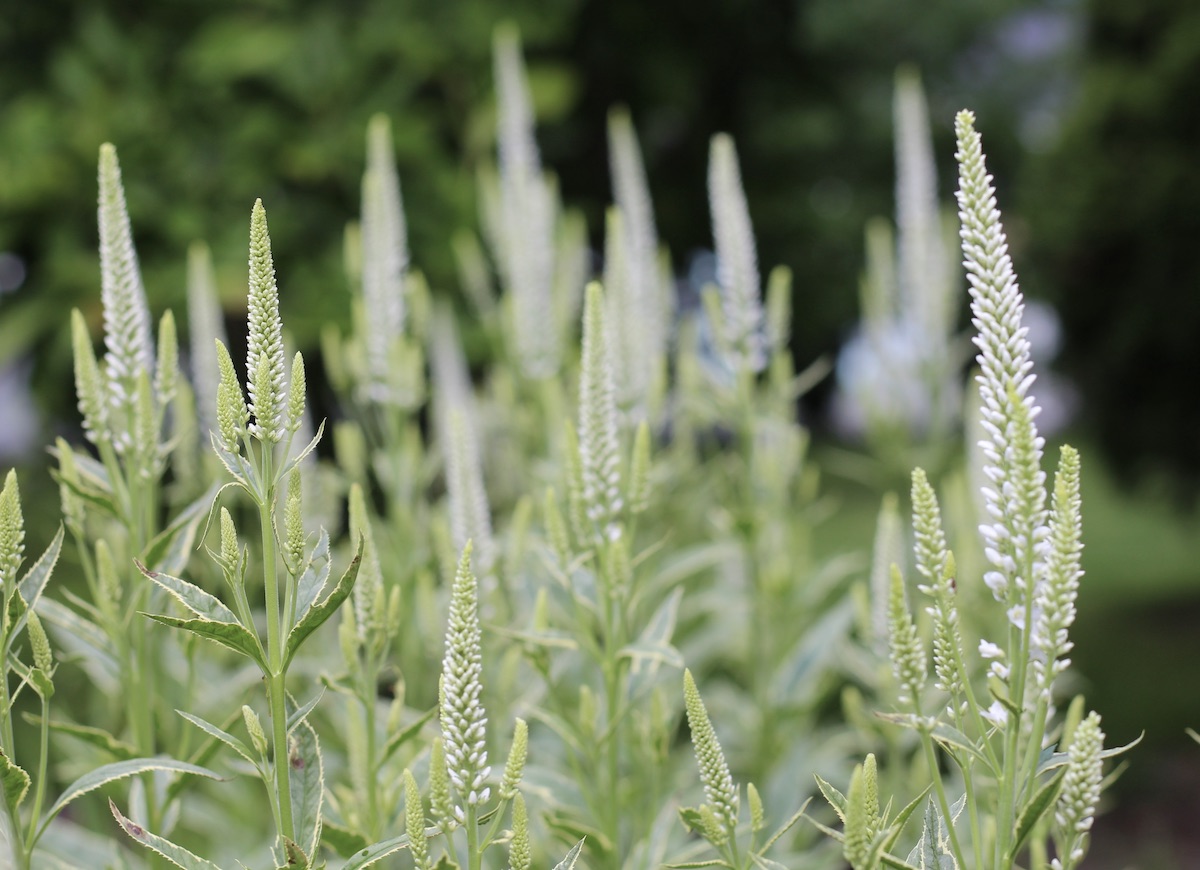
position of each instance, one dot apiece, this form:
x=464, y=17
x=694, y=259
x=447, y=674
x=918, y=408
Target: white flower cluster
x=464, y=721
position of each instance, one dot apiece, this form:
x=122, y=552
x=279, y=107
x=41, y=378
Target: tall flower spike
x=719, y=789
x=526, y=216
x=127, y=327
x=598, y=443
x=464, y=721
x=639, y=243
x=1056, y=596
x=470, y=518
x=384, y=256
x=887, y=551
x=925, y=284
x=737, y=259
x=265, y=359
x=205, y=328
x=1016, y=493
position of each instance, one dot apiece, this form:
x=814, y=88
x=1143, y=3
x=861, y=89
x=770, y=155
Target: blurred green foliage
x=215, y=103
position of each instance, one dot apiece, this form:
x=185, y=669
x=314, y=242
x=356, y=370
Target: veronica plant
x=132, y=402
x=253, y=442
x=1017, y=788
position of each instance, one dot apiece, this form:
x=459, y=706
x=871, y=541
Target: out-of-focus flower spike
x=414, y=823
x=166, y=371
x=232, y=413
x=737, y=258
x=515, y=766
x=127, y=325
x=525, y=216
x=205, y=328
x=908, y=654
x=370, y=574
x=598, y=440
x=887, y=551
x=89, y=383
x=470, y=517
x=1055, y=607
x=520, y=855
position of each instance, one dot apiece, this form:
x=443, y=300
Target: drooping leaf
x=234, y=636
x=97, y=737
x=236, y=744
x=119, y=770
x=191, y=596
x=177, y=855
x=320, y=611
x=369, y=855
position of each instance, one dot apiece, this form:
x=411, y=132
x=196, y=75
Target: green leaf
x=315, y=574
x=785, y=827
x=177, y=855
x=307, y=784
x=15, y=783
x=406, y=734
x=234, y=743
x=97, y=737
x=176, y=540
x=96, y=496
x=119, y=770
x=34, y=582
x=372, y=853
x=836, y=799
x=341, y=839
x=235, y=637
x=298, y=715
x=192, y=597
x=568, y=863
x=896, y=827
x=1033, y=811
x=711, y=862
x=318, y=612
x=806, y=663
x=303, y=454
x=85, y=640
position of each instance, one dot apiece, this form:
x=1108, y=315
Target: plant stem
x=275, y=683
x=39, y=794
x=474, y=858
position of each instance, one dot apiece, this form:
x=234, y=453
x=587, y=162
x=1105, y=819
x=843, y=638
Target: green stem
x=275, y=684
x=39, y=794
x=16, y=834
x=943, y=803
x=474, y=856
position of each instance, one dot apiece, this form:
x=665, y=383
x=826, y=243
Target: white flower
x=989, y=650
x=996, y=714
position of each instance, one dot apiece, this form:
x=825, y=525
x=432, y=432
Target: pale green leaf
x=307, y=783
x=195, y=599
x=177, y=855
x=119, y=770
x=34, y=582
x=234, y=636
x=234, y=743
x=372, y=853
x=402, y=736
x=319, y=611
x=15, y=782
x=1033, y=811
x=568, y=863
x=315, y=574
x=97, y=737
